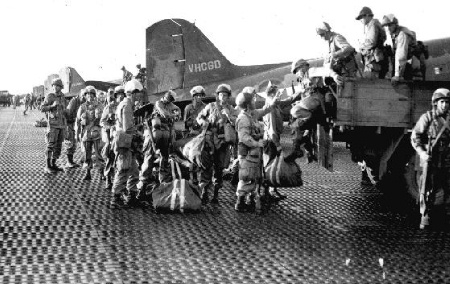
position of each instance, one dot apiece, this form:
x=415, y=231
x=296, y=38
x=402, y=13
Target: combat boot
x=117, y=202
x=204, y=196
x=87, y=176
x=132, y=200
x=48, y=168
x=70, y=163
x=55, y=167
x=424, y=222
x=240, y=205
x=215, y=199
x=296, y=152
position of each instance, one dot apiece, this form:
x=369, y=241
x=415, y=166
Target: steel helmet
x=170, y=96
x=440, y=94
x=322, y=28
x=90, y=89
x=133, y=85
x=389, y=19
x=119, y=89
x=298, y=64
x=244, y=98
x=197, y=91
x=364, y=11
x=57, y=82
x=223, y=88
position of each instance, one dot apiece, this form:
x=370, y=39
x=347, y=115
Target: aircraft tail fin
x=180, y=56
x=72, y=81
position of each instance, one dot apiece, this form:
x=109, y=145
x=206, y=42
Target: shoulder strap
x=441, y=131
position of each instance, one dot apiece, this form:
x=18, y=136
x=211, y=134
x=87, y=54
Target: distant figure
x=127, y=76
x=376, y=63
x=27, y=103
x=141, y=74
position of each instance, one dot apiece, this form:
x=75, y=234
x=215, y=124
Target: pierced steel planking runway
x=58, y=229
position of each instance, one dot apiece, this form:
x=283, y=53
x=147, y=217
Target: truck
x=376, y=120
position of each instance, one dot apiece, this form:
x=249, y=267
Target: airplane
x=179, y=56
x=72, y=82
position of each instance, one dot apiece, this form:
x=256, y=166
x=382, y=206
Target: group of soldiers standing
x=134, y=161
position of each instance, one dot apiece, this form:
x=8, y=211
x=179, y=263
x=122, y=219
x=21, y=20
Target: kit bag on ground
x=177, y=195
x=279, y=173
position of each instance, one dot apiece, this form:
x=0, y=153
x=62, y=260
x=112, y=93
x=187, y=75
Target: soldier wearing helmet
x=376, y=64
x=431, y=139
x=165, y=113
x=108, y=122
x=119, y=94
x=404, y=43
x=306, y=113
x=126, y=76
x=72, y=109
x=192, y=110
x=214, y=117
x=126, y=165
x=54, y=106
x=250, y=137
x=89, y=131
x=340, y=60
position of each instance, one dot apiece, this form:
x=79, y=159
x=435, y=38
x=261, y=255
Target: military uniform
x=372, y=50
x=88, y=117
x=428, y=126
x=216, y=145
x=403, y=41
x=27, y=103
x=190, y=117
x=72, y=109
x=56, y=118
x=249, y=151
x=126, y=165
x=340, y=59
x=107, y=122
x=164, y=134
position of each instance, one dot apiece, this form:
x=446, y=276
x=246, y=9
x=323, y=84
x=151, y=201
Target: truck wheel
x=412, y=177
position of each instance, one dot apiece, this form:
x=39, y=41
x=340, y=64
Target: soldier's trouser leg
x=206, y=173
x=71, y=137
x=127, y=172
x=54, y=138
x=162, y=139
x=249, y=175
x=109, y=156
x=146, y=173
x=221, y=159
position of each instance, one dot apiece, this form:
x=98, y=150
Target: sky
x=98, y=37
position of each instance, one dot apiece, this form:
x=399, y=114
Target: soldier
x=249, y=146
x=88, y=117
x=126, y=76
x=404, y=43
x=126, y=165
x=108, y=122
x=72, y=109
x=141, y=74
x=192, y=110
x=214, y=117
x=307, y=113
x=431, y=139
x=273, y=128
x=27, y=103
x=54, y=106
x=341, y=59
x=164, y=115
x=372, y=48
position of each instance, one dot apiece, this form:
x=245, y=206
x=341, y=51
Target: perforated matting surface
x=59, y=229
